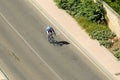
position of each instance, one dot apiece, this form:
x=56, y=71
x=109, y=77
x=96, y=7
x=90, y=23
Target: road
x=25, y=53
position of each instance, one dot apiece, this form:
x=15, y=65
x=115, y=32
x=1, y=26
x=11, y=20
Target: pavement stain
x=12, y=53
x=9, y=51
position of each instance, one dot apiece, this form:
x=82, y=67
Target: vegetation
x=97, y=31
x=114, y=4
x=115, y=49
x=103, y=37
x=117, y=55
x=91, y=17
x=87, y=8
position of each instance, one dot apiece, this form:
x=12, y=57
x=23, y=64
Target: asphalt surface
x=25, y=53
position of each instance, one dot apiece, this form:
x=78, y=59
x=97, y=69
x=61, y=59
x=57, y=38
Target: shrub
x=87, y=8
x=106, y=43
x=117, y=55
x=102, y=34
x=92, y=11
x=116, y=49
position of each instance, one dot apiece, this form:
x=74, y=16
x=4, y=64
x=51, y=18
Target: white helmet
x=48, y=27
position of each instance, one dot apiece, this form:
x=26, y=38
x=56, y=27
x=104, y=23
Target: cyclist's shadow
x=61, y=43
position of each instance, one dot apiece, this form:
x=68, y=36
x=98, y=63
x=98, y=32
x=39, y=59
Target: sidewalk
x=97, y=54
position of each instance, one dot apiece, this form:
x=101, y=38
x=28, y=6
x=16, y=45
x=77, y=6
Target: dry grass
x=115, y=47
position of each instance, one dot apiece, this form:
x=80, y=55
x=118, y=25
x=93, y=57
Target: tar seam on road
x=11, y=26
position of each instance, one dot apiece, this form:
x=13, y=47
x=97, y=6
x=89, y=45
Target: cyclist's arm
x=53, y=31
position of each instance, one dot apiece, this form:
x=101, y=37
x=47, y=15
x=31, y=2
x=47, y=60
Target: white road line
x=2, y=76
x=11, y=26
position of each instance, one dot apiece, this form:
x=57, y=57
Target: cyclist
x=50, y=31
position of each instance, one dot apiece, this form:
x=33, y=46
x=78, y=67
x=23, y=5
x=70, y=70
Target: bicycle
x=51, y=39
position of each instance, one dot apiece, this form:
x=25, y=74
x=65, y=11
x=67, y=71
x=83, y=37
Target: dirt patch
x=115, y=47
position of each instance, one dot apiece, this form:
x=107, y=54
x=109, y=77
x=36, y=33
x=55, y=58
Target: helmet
x=48, y=27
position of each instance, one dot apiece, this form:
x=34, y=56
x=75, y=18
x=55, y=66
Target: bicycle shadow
x=61, y=43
